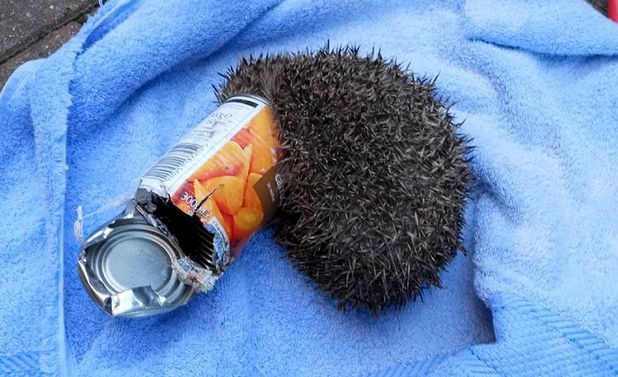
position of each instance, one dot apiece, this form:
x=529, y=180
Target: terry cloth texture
x=535, y=82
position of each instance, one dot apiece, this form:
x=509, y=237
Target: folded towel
x=82, y=126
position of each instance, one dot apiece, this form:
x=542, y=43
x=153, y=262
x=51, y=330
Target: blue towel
x=535, y=83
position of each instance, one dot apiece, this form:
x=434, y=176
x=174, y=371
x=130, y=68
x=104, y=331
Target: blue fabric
x=535, y=83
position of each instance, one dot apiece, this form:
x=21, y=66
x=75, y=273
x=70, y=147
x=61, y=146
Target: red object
x=612, y=10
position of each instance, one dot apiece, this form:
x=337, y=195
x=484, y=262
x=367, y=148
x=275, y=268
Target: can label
x=224, y=172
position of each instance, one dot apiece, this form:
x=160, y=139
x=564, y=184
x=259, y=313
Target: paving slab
x=40, y=49
x=23, y=22
x=600, y=5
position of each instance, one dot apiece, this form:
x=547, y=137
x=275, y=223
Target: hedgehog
x=376, y=172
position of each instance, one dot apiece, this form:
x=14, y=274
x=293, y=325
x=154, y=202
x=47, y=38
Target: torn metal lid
x=126, y=267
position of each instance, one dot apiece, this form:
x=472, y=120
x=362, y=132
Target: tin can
x=191, y=215
x=125, y=266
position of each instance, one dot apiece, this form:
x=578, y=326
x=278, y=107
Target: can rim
x=254, y=97
x=135, y=301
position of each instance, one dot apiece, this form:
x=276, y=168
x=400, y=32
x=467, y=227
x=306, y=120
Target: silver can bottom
x=126, y=267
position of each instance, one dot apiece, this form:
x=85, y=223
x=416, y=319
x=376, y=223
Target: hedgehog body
x=376, y=173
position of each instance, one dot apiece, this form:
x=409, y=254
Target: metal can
x=125, y=266
x=192, y=214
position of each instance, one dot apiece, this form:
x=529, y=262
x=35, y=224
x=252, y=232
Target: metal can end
x=126, y=268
